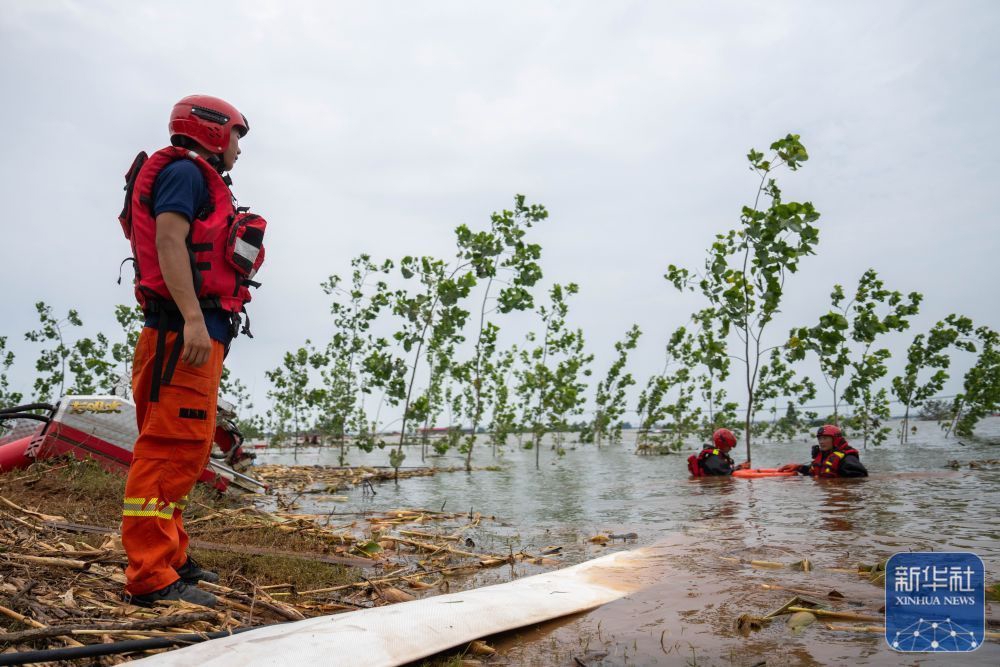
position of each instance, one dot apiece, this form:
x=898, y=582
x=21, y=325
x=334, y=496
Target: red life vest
x=226, y=244
x=695, y=460
x=827, y=464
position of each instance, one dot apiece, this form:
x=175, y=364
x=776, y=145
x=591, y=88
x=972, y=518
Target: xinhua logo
x=935, y=602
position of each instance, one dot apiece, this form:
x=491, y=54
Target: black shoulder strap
x=125, y=217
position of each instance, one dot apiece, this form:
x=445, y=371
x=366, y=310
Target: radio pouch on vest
x=245, y=246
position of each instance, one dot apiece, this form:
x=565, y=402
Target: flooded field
x=697, y=537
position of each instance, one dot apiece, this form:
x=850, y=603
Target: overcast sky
x=380, y=126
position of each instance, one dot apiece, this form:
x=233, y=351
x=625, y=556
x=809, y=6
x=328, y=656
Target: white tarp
x=401, y=633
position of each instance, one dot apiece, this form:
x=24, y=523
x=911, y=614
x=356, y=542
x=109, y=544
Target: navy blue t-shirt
x=181, y=188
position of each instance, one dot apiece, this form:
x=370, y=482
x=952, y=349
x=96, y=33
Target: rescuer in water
x=714, y=460
x=832, y=457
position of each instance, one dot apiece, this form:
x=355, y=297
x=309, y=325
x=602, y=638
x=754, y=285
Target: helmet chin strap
x=216, y=161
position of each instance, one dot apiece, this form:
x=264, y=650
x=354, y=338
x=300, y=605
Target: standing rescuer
x=832, y=457
x=195, y=254
x=714, y=460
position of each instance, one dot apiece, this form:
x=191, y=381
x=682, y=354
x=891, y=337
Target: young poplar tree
x=233, y=390
x=96, y=365
x=90, y=367
x=980, y=394
x=778, y=380
x=871, y=406
x=130, y=319
x=500, y=257
x=293, y=395
x=354, y=308
x=746, y=268
x=711, y=354
x=549, y=377
x=430, y=313
x=610, y=398
x=439, y=393
x=653, y=407
x=504, y=415
x=843, y=340
x=52, y=361
x=386, y=372
x=8, y=398
x=929, y=353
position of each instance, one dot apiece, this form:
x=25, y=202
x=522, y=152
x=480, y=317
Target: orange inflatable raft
x=754, y=473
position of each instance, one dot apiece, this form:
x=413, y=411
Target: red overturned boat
x=103, y=428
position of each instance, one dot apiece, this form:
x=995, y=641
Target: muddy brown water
x=692, y=588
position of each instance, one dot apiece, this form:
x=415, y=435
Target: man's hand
x=743, y=466
x=789, y=467
x=197, y=344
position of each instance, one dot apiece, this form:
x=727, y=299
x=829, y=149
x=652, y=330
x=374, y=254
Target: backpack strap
x=125, y=217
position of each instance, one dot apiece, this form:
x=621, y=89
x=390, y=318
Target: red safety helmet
x=723, y=437
x=206, y=120
x=830, y=430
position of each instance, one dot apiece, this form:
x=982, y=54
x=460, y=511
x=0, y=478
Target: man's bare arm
x=175, y=264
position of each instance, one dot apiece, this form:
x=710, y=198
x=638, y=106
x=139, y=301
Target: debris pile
x=330, y=479
x=62, y=563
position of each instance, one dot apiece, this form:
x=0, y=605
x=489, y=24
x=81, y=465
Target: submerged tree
x=439, y=394
x=386, y=372
x=710, y=353
x=929, y=353
x=870, y=405
x=232, y=389
x=294, y=397
x=654, y=408
x=610, y=397
x=504, y=415
x=354, y=309
x=432, y=312
x=746, y=268
x=500, y=257
x=981, y=386
x=843, y=340
x=550, y=375
x=778, y=380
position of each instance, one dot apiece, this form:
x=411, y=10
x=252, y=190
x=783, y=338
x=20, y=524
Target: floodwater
x=697, y=532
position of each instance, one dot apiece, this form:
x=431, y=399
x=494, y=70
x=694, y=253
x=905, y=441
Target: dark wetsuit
x=714, y=462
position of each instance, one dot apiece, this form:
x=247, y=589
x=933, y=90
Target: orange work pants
x=175, y=439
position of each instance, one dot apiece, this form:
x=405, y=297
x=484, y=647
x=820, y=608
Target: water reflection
x=910, y=502
x=840, y=503
x=718, y=499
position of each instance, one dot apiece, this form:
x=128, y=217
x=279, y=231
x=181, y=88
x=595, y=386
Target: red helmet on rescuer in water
x=723, y=437
x=207, y=120
x=830, y=430
x=835, y=432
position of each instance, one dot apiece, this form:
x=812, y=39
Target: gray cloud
x=380, y=127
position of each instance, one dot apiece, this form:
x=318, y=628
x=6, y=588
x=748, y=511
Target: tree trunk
x=905, y=434
x=538, y=448
x=472, y=442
